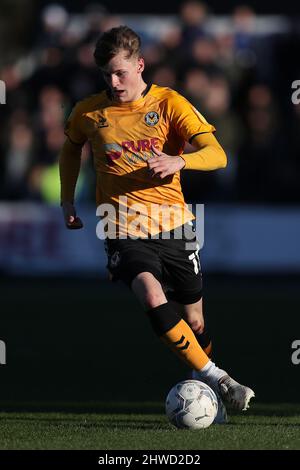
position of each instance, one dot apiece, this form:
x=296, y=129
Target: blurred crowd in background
x=236, y=70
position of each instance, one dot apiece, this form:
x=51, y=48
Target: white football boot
x=230, y=391
x=235, y=394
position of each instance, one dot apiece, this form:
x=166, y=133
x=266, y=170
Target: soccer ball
x=191, y=404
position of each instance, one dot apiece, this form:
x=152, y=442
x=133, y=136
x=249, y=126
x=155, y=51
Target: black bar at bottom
x=134, y=458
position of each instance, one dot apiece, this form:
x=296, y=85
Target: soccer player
x=137, y=132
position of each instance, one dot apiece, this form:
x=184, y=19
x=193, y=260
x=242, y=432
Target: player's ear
x=141, y=64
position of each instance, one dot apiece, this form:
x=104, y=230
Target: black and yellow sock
x=177, y=334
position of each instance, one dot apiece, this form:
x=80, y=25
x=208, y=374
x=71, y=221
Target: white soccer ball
x=191, y=404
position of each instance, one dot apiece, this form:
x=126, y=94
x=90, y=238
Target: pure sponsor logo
x=140, y=145
x=151, y=118
x=2, y=353
x=132, y=150
x=296, y=354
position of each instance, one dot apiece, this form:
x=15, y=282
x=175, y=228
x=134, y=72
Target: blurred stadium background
x=68, y=332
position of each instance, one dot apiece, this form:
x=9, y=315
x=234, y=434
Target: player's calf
x=177, y=334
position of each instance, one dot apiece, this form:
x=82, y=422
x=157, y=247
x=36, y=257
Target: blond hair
x=115, y=40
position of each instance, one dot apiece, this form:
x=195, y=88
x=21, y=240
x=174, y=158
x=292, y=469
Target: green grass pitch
x=143, y=426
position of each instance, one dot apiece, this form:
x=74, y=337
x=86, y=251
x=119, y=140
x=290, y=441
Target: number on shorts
x=196, y=261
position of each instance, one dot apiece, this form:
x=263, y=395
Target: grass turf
x=144, y=426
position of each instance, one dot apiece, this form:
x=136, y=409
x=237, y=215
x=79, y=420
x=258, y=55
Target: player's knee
x=197, y=326
x=193, y=315
x=154, y=298
x=148, y=289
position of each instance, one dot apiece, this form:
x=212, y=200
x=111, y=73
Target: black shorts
x=173, y=262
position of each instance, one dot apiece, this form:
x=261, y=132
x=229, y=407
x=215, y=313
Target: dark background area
x=222, y=8
x=87, y=340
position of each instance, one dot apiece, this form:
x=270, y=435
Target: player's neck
x=140, y=92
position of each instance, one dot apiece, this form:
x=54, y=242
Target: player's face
x=124, y=76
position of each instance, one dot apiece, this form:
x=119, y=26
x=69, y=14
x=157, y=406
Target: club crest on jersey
x=151, y=118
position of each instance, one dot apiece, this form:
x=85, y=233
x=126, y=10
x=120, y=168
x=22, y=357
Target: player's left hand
x=162, y=165
x=71, y=220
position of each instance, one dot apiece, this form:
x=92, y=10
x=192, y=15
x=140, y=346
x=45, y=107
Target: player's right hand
x=71, y=220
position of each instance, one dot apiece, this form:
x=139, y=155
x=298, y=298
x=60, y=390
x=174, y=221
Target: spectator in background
x=263, y=153
x=253, y=48
x=54, y=19
x=96, y=15
x=205, y=55
x=170, y=44
x=193, y=15
x=84, y=80
x=165, y=75
x=217, y=104
x=49, y=119
x=212, y=95
x=244, y=25
x=196, y=86
x=19, y=156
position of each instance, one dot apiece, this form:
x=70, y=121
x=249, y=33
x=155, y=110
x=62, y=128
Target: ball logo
x=151, y=118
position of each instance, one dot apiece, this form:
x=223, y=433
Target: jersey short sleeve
x=186, y=119
x=73, y=126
